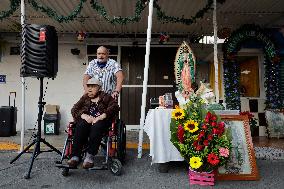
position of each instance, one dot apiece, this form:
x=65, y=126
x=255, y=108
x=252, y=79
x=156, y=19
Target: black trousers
x=86, y=133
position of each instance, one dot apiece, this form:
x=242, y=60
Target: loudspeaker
x=39, y=52
x=8, y=121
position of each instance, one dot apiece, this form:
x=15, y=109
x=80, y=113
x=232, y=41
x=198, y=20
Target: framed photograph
x=242, y=164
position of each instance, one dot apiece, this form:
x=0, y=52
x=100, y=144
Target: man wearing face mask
x=107, y=70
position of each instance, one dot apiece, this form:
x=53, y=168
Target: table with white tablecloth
x=157, y=127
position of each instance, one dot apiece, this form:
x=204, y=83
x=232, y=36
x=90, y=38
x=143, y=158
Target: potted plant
x=201, y=138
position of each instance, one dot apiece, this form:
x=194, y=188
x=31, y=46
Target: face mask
x=101, y=64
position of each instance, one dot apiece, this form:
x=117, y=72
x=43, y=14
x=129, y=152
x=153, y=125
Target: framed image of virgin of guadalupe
x=242, y=163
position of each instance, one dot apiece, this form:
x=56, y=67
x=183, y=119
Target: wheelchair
x=113, y=146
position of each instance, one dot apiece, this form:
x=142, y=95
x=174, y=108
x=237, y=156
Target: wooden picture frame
x=242, y=164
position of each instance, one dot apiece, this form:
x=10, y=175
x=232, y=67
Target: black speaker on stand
x=39, y=54
x=39, y=57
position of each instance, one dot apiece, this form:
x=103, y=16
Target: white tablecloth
x=157, y=127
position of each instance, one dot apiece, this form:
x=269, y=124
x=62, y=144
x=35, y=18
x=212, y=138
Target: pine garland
x=139, y=7
x=53, y=14
x=100, y=9
x=14, y=5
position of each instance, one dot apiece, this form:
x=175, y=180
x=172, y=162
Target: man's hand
x=115, y=94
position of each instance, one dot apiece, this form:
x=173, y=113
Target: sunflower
x=178, y=114
x=195, y=162
x=191, y=126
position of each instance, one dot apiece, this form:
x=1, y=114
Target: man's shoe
x=88, y=165
x=72, y=163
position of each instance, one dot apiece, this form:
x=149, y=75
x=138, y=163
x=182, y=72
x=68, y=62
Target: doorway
x=160, y=79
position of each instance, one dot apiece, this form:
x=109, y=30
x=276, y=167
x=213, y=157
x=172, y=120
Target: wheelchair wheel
x=121, y=140
x=115, y=166
x=65, y=172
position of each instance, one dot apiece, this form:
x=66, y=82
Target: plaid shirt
x=106, y=75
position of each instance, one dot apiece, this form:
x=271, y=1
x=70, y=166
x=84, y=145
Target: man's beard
x=102, y=61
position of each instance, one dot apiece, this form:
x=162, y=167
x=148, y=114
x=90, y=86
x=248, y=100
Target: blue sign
x=2, y=79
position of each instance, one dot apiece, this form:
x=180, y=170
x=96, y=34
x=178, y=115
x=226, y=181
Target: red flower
x=195, y=143
x=209, y=137
x=180, y=133
x=213, y=123
x=221, y=127
x=208, y=115
x=221, y=124
x=205, y=142
x=204, y=126
x=199, y=147
x=215, y=131
x=213, y=159
x=214, y=118
x=206, y=120
x=201, y=134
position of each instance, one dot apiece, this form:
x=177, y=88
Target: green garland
x=139, y=8
x=232, y=70
x=187, y=21
x=14, y=4
x=52, y=13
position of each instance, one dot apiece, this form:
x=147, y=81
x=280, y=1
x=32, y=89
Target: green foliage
x=215, y=107
x=139, y=8
x=162, y=16
x=14, y=5
x=53, y=14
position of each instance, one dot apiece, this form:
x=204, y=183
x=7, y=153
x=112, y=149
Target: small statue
x=185, y=73
x=183, y=97
x=206, y=93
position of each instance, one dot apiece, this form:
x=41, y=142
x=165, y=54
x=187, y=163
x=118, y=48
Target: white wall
x=64, y=90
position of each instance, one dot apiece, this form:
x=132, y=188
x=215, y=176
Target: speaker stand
x=37, y=138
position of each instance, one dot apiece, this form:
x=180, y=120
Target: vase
x=201, y=178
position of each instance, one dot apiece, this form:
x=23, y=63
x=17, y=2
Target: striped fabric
x=106, y=75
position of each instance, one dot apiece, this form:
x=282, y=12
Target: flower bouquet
x=200, y=137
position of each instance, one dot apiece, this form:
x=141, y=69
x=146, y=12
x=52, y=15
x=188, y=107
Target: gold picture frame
x=242, y=164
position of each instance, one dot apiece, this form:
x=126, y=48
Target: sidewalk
x=14, y=142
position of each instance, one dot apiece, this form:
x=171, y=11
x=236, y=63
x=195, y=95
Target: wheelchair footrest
x=65, y=167
x=102, y=167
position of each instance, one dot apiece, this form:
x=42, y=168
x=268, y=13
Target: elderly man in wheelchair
x=93, y=115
